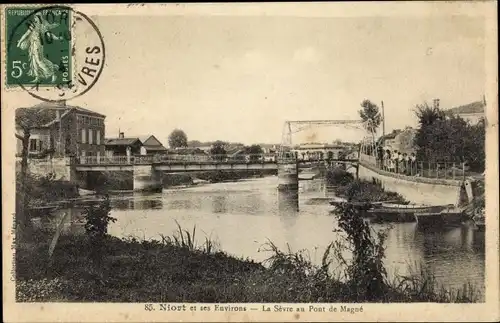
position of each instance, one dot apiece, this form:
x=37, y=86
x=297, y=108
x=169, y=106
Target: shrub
x=338, y=176
x=96, y=226
x=366, y=274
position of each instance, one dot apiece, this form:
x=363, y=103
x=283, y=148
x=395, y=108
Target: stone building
x=69, y=131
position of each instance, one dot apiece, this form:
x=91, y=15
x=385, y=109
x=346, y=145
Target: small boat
x=197, y=181
x=119, y=191
x=307, y=176
x=336, y=201
x=388, y=212
x=84, y=192
x=447, y=216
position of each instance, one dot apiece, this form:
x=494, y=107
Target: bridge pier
x=147, y=179
x=288, y=176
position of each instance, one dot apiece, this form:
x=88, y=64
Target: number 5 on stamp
x=38, y=46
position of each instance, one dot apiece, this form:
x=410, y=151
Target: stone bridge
x=147, y=170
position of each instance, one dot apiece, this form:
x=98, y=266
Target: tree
x=26, y=119
x=218, y=149
x=194, y=143
x=449, y=139
x=254, y=151
x=427, y=115
x=370, y=115
x=177, y=139
x=476, y=146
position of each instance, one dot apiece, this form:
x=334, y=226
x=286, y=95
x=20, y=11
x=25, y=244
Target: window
x=33, y=144
x=83, y=153
x=90, y=136
x=98, y=137
x=84, y=136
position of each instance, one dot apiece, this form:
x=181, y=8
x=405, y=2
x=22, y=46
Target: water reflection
x=137, y=201
x=244, y=215
x=219, y=204
x=288, y=202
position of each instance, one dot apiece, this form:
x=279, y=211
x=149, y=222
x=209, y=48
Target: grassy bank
x=45, y=189
x=347, y=186
x=176, y=269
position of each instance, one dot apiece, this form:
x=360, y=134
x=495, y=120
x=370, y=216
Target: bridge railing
x=174, y=159
x=206, y=159
x=439, y=170
x=218, y=158
x=102, y=160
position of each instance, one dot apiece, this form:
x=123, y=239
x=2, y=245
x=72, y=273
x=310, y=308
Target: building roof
x=143, y=139
x=61, y=105
x=155, y=148
x=121, y=141
x=48, y=112
x=152, y=143
x=474, y=107
x=389, y=136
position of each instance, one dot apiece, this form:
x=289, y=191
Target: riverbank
x=43, y=190
x=176, y=269
x=140, y=271
x=357, y=190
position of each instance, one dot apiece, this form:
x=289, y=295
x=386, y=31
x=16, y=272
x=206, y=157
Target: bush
x=338, y=176
x=365, y=191
x=97, y=221
x=45, y=189
x=366, y=274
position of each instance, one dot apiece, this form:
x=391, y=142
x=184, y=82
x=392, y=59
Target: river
x=242, y=216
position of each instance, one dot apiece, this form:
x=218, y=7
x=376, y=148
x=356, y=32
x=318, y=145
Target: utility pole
x=383, y=119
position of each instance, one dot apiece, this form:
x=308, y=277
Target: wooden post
x=453, y=170
x=383, y=119
x=59, y=228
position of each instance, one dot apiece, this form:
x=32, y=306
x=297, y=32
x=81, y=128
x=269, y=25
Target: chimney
x=121, y=135
x=484, y=99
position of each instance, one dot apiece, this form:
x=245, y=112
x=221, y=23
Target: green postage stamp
x=39, y=46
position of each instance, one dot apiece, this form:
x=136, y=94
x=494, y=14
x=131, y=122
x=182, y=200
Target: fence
x=441, y=170
x=173, y=159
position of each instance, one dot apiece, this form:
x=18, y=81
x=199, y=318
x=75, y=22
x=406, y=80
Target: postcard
x=263, y=162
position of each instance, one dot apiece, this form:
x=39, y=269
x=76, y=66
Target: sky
x=239, y=78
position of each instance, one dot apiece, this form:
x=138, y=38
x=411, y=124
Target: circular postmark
x=54, y=53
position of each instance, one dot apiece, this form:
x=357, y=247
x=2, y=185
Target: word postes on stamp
x=54, y=53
